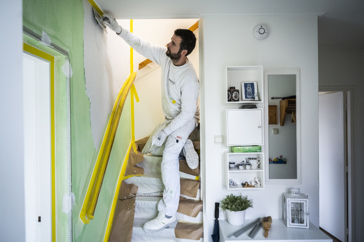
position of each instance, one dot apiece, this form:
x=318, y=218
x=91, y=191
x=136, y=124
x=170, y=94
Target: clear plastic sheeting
x=147, y=184
x=151, y=166
x=146, y=207
x=134, y=159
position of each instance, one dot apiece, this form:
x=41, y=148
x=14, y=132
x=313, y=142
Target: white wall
x=343, y=68
x=228, y=41
x=12, y=225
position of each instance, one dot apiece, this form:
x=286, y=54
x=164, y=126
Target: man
x=180, y=87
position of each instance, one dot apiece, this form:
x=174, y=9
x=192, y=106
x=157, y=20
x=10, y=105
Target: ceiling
x=340, y=22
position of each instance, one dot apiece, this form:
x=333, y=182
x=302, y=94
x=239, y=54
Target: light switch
x=275, y=131
x=218, y=139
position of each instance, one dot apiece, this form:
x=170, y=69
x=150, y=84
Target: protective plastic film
x=122, y=226
x=189, y=207
x=188, y=231
x=141, y=143
x=183, y=167
x=189, y=187
x=134, y=159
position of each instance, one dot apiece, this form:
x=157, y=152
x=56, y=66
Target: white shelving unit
x=235, y=75
x=245, y=127
x=240, y=176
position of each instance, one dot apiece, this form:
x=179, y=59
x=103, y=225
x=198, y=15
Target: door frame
x=349, y=107
x=47, y=57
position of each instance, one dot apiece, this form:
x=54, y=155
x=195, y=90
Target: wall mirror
x=282, y=119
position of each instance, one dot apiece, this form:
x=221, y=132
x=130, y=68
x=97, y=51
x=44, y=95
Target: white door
x=37, y=132
x=332, y=164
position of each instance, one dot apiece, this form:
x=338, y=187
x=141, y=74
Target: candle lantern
x=295, y=209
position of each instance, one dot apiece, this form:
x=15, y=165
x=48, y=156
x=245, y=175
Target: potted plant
x=235, y=207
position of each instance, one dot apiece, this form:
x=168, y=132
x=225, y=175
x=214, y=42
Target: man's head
x=182, y=44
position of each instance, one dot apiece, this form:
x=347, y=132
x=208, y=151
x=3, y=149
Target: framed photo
x=249, y=91
x=272, y=113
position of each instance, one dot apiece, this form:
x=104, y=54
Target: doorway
x=334, y=160
x=38, y=143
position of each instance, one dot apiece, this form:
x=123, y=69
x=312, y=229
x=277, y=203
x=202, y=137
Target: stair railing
x=93, y=191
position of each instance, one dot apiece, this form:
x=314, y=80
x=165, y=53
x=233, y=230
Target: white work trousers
x=170, y=165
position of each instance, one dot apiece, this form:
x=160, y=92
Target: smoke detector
x=261, y=31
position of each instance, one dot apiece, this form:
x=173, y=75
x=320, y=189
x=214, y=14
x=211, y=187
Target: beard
x=175, y=56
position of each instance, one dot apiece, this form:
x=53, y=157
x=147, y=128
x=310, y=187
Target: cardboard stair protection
x=140, y=194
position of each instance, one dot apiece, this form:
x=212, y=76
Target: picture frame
x=249, y=91
x=272, y=113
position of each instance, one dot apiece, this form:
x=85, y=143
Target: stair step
x=146, y=185
x=152, y=167
x=165, y=235
x=146, y=207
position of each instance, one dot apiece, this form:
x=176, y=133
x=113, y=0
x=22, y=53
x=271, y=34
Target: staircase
x=140, y=193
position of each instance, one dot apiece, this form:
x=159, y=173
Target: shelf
x=245, y=127
x=239, y=176
x=236, y=75
x=240, y=187
x=244, y=171
x=244, y=153
x=278, y=233
x=246, y=102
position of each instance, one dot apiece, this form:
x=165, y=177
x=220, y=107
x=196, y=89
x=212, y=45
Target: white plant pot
x=236, y=218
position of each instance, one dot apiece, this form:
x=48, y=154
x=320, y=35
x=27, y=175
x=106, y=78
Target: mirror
x=282, y=122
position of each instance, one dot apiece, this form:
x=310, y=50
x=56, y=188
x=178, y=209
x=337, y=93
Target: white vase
x=236, y=218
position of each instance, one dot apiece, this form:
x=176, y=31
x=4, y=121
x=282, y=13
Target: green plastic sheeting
x=63, y=22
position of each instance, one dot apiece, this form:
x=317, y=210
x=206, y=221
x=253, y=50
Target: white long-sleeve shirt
x=180, y=85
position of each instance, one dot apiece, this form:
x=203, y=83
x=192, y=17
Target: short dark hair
x=188, y=39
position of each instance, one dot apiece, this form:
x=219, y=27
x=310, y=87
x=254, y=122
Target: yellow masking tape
x=83, y=214
x=34, y=51
x=106, y=155
x=94, y=5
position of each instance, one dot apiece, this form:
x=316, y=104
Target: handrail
x=93, y=191
x=147, y=61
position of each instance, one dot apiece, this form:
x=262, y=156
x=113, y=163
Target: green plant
x=236, y=203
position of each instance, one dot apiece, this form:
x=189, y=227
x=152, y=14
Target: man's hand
x=110, y=22
x=159, y=138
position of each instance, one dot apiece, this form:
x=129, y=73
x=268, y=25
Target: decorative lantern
x=295, y=209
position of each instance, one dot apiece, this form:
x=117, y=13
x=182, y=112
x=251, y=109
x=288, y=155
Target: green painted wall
x=63, y=22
